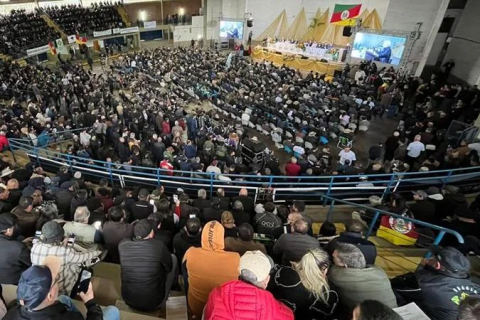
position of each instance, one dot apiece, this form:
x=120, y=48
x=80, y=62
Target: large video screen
x=231, y=29
x=377, y=47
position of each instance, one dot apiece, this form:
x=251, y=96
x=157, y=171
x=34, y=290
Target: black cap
x=7, y=220
x=452, y=260
x=143, y=193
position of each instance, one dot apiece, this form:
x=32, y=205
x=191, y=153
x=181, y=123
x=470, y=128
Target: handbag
x=397, y=231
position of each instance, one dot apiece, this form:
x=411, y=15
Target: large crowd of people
x=76, y=19
x=238, y=258
x=20, y=30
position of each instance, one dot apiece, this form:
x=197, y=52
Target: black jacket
x=14, y=259
x=141, y=210
x=201, y=203
x=113, y=234
x=57, y=311
x=210, y=214
x=367, y=247
x=224, y=203
x=63, y=198
x=145, y=265
x=437, y=294
x=182, y=242
x=423, y=210
x=248, y=204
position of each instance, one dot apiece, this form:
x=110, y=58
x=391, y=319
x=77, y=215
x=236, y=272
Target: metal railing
x=347, y=187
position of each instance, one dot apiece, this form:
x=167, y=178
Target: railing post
x=270, y=182
x=211, y=184
x=328, y=191
x=36, y=156
x=110, y=172
x=158, y=177
x=372, y=225
x=11, y=150
x=332, y=203
x=439, y=238
x=445, y=180
x=389, y=185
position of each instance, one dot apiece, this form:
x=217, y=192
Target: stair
x=53, y=25
x=123, y=13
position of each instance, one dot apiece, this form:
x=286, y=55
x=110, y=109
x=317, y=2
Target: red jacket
x=237, y=300
x=3, y=142
x=293, y=169
x=166, y=127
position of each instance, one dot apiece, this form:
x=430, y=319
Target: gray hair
x=50, y=211
x=237, y=205
x=202, y=193
x=350, y=255
x=250, y=277
x=81, y=214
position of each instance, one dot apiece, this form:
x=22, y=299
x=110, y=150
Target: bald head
x=300, y=226
x=243, y=192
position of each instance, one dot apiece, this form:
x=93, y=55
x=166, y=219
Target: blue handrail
x=442, y=231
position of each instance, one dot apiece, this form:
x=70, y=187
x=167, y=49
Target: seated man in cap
x=52, y=243
x=247, y=297
x=27, y=220
x=14, y=254
x=38, y=297
x=438, y=287
x=148, y=268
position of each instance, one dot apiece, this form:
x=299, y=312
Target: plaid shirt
x=72, y=262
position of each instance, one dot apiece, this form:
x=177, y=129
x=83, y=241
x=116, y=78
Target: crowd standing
x=271, y=265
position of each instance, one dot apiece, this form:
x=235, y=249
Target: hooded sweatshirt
x=209, y=266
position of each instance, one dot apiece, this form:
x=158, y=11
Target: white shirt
x=347, y=156
x=415, y=148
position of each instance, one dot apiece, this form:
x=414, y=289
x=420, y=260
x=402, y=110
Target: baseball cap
x=421, y=193
x=143, y=228
x=143, y=193
x=452, y=260
x=36, y=282
x=257, y=263
x=52, y=232
x=7, y=220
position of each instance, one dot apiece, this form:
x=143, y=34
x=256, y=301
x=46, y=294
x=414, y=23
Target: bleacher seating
x=75, y=19
x=21, y=30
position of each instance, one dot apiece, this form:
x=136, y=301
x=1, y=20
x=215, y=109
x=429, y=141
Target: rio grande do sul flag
x=343, y=13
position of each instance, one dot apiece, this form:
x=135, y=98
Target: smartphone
x=152, y=202
x=71, y=240
x=192, y=216
x=175, y=198
x=285, y=229
x=84, y=281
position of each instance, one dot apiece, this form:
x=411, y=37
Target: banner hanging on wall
x=150, y=24
x=344, y=13
x=102, y=33
x=129, y=30
x=38, y=50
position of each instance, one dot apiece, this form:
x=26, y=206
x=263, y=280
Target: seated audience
x=304, y=288
x=27, y=220
x=268, y=222
x=201, y=202
x=353, y=235
x=52, y=243
x=189, y=236
x=115, y=230
x=291, y=247
x=86, y=236
x=39, y=297
x=142, y=208
x=438, y=287
x=148, y=269
x=328, y=232
x=239, y=214
x=355, y=282
x=248, y=202
x=15, y=256
x=244, y=242
x=246, y=298
x=203, y=267
x=228, y=224
x=214, y=212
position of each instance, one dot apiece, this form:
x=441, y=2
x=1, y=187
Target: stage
x=296, y=61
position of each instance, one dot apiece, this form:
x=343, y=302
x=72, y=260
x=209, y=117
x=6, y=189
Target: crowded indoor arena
x=239, y=160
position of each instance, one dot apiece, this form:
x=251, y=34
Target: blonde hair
x=311, y=271
x=227, y=218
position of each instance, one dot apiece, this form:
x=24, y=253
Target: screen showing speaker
x=231, y=29
x=378, y=47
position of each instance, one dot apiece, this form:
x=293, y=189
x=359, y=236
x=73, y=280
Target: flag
x=53, y=50
x=398, y=231
x=72, y=38
x=58, y=43
x=344, y=13
x=80, y=39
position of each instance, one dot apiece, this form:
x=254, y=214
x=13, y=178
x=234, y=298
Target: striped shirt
x=72, y=262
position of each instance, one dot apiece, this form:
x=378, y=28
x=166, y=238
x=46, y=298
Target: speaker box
x=250, y=23
x=347, y=31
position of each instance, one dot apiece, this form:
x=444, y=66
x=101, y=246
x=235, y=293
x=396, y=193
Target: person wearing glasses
x=304, y=288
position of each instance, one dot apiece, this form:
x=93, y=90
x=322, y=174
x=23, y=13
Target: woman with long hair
x=304, y=288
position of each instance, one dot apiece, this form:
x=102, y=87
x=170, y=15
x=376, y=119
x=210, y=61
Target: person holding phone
x=38, y=297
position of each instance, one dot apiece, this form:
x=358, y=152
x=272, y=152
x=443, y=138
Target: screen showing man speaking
x=231, y=29
x=377, y=47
